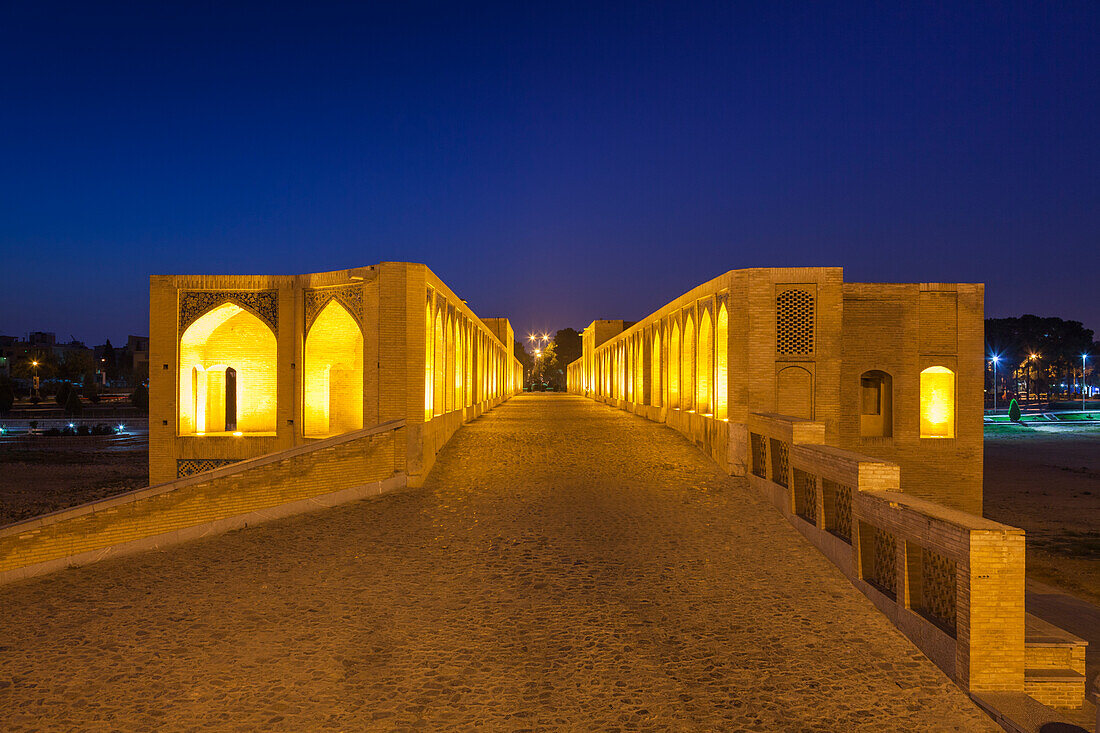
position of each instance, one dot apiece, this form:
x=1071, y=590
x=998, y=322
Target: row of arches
x=462, y=364
x=229, y=366
x=690, y=374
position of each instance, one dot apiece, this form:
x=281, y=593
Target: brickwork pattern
x=161, y=510
x=567, y=566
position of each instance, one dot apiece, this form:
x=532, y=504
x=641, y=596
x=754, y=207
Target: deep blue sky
x=552, y=163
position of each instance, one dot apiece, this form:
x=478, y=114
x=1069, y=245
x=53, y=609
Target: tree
x=110, y=361
x=551, y=370
x=1014, y=411
x=7, y=396
x=90, y=389
x=61, y=397
x=140, y=399
x=525, y=360
x=568, y=347
x=1057, y=344
x=72, y=403
x=76, y=364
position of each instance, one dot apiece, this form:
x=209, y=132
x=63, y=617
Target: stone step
x=1048, y=647
x=1056, y=688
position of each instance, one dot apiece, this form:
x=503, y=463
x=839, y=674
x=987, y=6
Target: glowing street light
x=994, y=359
x=1083, y=357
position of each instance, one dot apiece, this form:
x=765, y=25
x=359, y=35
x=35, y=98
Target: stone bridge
x=760, y=508
x=565, y=566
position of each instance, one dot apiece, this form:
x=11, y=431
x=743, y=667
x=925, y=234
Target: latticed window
x=880, y=556
x=805, y=496
x=794, y=323
x=781, y=462
x=937, y=589
x=759, y=455
x=838, y=509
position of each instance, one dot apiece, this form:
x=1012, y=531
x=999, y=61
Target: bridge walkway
x=567, y=566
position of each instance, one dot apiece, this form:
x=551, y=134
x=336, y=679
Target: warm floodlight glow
x=937, y=403
x=1033, y=357
x=227, y=373
x=237, y=434
x=333, y=389
x=34, y=363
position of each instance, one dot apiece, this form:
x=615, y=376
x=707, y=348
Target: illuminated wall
x=687, y=367
x=721, y=382
x=705, y=366
x=674, y=367
x=333, y=374
x=937, y=403
x=890, y=370
x=227, y=337
x=655, y=371
x=429, y=363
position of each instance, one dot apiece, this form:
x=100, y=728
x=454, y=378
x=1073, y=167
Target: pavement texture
x=567, y=567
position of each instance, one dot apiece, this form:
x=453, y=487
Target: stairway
x=1054, y=664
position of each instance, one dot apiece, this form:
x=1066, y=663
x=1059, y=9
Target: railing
x=951, y=581
x=322, y=473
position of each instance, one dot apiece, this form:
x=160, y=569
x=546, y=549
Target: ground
x=44, y=474
x=566, y=566
x=1046, y=479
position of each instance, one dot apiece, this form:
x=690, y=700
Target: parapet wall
x=952, y=582
x=344, y=468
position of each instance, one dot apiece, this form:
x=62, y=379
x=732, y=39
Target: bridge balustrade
x=950, y=581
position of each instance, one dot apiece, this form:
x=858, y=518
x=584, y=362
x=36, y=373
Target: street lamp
x=35, y=365
x=994, y=358
x=1083, y=357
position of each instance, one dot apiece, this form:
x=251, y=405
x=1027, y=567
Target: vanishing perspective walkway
x=567, y=566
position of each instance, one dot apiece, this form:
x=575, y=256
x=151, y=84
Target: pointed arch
x=429, y=362
x=674, y=367
x=440, y=361
x=333, y=373
x=721, y=364
x=227, y=337
x=655, y=370
x=687, y=367
x=705, y=367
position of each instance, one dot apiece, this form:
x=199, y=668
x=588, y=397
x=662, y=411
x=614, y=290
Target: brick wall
x=208, y=502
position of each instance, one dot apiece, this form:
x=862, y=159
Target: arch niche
x=705, y=367
x=227, y=374
x=794, y=393
x=333, y=390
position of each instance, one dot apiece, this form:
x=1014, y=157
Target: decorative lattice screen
x=938, y=588
x=190, y=466
x=805, y=495
x=794, y=323
x=882, y=572
x=838, y=509
x=781, y=463
x=759, y=455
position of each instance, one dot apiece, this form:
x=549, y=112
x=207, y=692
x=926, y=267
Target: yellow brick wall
x=186, y=503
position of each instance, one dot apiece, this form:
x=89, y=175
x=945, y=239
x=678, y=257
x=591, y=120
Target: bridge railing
x=324, y=473
x=950, y=581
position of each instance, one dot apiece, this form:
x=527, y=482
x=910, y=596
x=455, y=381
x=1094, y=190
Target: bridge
x=759, y=508
x=565, y=566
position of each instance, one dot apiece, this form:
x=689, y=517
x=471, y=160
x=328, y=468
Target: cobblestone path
x=567, y=567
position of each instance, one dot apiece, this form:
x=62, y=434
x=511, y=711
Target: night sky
x=554, y=163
